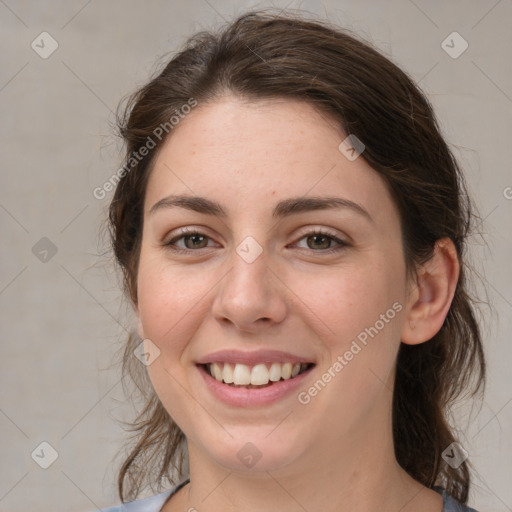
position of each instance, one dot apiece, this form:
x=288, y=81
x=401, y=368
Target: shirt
x=155, y=503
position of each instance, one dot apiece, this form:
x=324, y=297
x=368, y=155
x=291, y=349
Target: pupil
x=196, y=238
x=316, y=237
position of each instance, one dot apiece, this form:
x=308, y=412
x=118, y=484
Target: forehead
x=252, y=153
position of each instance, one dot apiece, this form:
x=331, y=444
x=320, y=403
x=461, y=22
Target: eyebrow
x=284, y=208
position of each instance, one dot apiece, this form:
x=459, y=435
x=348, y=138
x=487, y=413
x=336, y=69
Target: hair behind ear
x=430, y=376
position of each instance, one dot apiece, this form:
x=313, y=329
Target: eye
x=321, y=241
x=316, y=241
x=192, y=240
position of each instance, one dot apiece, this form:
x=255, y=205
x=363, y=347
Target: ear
x=432, y=294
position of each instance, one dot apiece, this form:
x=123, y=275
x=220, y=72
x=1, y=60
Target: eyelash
x=187, y=232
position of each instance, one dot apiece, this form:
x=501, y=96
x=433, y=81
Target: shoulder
x=151, y=504
x=450, y=504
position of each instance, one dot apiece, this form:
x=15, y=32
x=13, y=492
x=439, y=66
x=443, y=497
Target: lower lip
x=242, y=397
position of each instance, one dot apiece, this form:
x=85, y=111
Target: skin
x=336, y=452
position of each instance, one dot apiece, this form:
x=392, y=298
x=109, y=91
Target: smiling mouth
x=254, y=377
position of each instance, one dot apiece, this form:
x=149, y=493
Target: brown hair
x=262, y=55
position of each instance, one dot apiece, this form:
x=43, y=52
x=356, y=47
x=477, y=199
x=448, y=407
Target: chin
x=253, y=450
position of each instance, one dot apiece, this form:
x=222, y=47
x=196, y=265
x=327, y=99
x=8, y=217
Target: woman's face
x=257, y=292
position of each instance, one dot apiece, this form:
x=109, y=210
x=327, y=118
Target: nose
x=250, y=297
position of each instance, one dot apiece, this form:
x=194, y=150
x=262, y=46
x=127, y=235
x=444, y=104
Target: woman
x=291, y=227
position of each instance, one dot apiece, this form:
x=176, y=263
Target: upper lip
x=252, y=358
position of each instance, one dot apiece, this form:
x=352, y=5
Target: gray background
x=63, y=316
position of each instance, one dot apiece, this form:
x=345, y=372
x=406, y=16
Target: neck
x=362, y=475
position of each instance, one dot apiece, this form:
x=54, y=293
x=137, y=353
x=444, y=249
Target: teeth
x=258, y=375
x=286, y=371
x=241, y=375
x=227, y=374
x=217, y=371
x=275, y=372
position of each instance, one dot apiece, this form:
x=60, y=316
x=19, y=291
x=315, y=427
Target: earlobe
x=431, y=300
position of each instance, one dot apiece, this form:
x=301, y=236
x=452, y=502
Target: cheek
x=358, y=314
x=169, y=300
x=344, y=302
x=171, y=307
